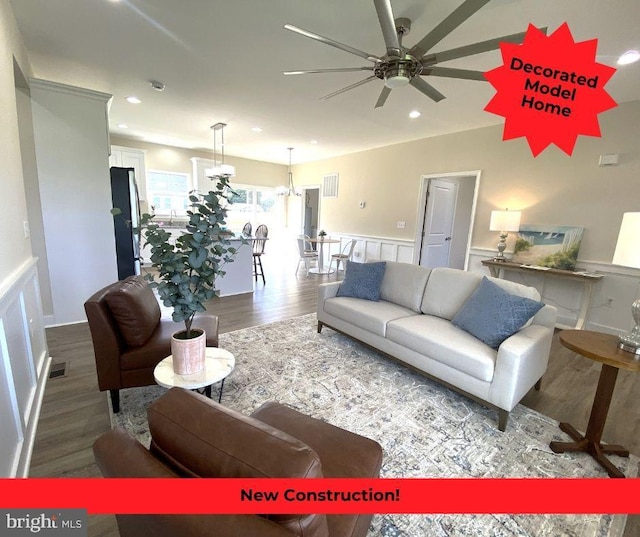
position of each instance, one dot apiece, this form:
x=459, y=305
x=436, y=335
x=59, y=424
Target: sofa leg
x=320, y=326
x=115, y=400
x=538, y=384
x=503, y=417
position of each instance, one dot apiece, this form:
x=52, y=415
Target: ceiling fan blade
x=383, y=97
x=368, y=79
x=336, y=44
x=388, y=25
x=455, y=19
x=475, y=48
x=426, y=88
x=448, y=72
x=338, y=70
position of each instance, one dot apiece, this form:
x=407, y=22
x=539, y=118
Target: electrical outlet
x=356, y=254
x=401, y=225
x=608, y=302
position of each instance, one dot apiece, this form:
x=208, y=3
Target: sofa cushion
x=362, y=280
x=370, y=316
x=403, y=284
x=492, y=314
x=440, y=340
x=135, y=310
x=447, y=290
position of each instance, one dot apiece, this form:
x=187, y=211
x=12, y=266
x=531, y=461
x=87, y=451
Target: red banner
x=267, y=496
x=550, y=89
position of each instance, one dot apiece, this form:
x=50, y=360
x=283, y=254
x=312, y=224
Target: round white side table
x=218, y=364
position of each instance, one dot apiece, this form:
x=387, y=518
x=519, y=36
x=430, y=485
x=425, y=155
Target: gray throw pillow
x=492, y=314
x=363, y=280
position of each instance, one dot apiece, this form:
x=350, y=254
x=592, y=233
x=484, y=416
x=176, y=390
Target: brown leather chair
x=192, y=436
x=129, y=336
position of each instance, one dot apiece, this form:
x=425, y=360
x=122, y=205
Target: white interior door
x=437, y=230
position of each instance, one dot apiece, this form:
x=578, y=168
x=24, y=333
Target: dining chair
x=262, y=233
x=306, y=256
x=345, y=255
x=308, y=246
x=246, y=229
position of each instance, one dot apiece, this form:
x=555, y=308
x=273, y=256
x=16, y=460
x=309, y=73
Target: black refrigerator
x=124, y=194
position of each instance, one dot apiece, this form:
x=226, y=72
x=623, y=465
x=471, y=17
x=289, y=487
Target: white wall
x=71, y=140
x=24, y=360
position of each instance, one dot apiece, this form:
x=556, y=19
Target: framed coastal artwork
x=548, y=246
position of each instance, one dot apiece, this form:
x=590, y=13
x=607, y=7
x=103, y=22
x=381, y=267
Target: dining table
x=321, y=241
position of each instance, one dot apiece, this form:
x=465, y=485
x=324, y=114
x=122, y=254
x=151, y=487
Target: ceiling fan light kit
x=401, y=66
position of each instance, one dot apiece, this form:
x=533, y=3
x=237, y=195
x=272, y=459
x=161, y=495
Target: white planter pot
x=188, y=354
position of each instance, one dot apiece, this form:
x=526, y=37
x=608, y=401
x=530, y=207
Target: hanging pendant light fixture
x=290, y=190
x=219, y=167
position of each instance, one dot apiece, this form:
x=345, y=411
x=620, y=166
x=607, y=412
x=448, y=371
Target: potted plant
x=322, y=234
x=188, y=266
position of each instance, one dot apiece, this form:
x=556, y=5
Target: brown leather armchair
x=193, y=436
x=129, y=336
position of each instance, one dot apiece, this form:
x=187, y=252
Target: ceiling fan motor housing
x=398, y=72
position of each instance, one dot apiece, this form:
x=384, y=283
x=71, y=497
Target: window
x=251, y=204
x=168, y=192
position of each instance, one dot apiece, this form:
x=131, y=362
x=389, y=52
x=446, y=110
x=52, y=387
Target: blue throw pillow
x=363, y=280
x=492, y=314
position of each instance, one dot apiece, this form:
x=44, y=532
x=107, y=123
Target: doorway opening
x=446, y=212
x=310, y=211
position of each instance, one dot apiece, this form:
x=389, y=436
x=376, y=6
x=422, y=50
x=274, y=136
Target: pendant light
x=290, y=190
x=219, y=167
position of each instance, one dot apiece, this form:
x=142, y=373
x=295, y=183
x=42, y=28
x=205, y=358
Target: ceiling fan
x=401, y=65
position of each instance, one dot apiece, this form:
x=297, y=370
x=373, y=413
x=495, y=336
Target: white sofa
x=412, y=323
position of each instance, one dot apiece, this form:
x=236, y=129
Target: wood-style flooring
x=74, y=413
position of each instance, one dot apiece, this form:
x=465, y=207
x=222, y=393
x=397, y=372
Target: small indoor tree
x=187, y=268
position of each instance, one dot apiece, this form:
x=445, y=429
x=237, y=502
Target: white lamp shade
x=505, y=221
x=221, y=169
x=627, y=251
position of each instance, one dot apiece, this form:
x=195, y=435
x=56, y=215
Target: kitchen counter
x=239, y=274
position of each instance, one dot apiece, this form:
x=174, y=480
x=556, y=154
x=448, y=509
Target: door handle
x=447, y=239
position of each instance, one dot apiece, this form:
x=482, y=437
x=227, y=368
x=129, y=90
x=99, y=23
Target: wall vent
x=330, y=186
x=58, y=370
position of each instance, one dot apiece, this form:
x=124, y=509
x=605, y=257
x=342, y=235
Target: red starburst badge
x=550, y=89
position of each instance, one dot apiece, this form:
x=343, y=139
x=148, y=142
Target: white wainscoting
x=24, y=368
x=370, y=248
x=619, y=283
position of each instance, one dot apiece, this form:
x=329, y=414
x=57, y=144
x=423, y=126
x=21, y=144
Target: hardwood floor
x=74, y=413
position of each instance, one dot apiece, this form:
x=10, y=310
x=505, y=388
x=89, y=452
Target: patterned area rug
x=425, y=429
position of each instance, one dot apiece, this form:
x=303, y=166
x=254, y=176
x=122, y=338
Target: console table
x=587, y=279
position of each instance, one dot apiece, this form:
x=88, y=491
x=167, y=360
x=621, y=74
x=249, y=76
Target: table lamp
x=627, y=254
x=504, y=221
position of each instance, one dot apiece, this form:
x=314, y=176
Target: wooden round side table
x=602, y=348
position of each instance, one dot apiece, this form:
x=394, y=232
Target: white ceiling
x=222, y=61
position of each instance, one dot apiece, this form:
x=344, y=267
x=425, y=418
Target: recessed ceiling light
x=628, y=57
x=414, y=114
x=123, y=126
x=313, y=141
x=133, y=100
x=256, y=129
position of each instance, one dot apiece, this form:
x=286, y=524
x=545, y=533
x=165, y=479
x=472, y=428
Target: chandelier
x=290, y=190
x=219, y=167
